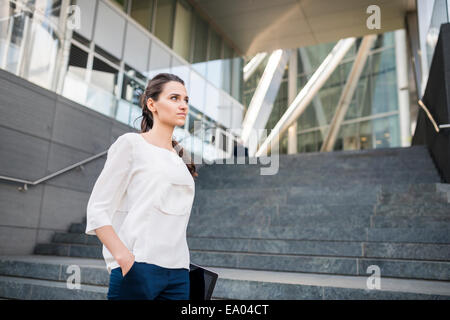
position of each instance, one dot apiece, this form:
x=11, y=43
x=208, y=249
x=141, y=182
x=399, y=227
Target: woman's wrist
x=124, y=257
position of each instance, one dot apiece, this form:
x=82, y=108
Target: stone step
x=401, y=156
x=69, y=250
x=69, y=246
x=55, y=268
x=321, y=174
x=75, y=238
x=284, y=211
x=300, y=169
x=414, y=209
x=395, y=268
x=357, y=165
x=299, y=195
x=35, y=289
x=264, y=216
x=411, y=187
x=296, y=232
x=413, y=251
x=316, y=180
x=411, y=197
x=39, y=278
x=410, y=222
x=268, y=285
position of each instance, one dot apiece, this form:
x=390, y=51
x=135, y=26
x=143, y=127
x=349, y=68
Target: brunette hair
x=154, y=88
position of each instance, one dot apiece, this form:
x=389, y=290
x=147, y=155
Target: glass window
x=194, y=115
x=121, y=4
x=75, y=86
x=215, y=46
x=133, y=85
x=197, y=92
x=200, y=44
x=215, y=64
x=142, y=12
x=77, y=62
x=159, y=60
x=181, y=70
x=104, y=76
x=183, y=26
x=384, y=81
x=164, y=20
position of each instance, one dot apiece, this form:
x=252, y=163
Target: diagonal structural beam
x=253, y=64
x=305, y=96
x=261, y=105
x=347, y=92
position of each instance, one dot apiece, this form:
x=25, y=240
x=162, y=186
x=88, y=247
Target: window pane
x=159, y=60
x=164, y=21
x=121, y=4
x=200, y=42
x=183, y=26
x=104, y=76
x=142, y=12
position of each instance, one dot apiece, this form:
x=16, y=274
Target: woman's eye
x=174, y=97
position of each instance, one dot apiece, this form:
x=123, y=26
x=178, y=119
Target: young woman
x=140, y=204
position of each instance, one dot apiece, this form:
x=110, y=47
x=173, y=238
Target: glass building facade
x=105, y=60
x=371, y=120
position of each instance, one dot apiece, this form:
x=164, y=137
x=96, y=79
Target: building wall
x=41, y=133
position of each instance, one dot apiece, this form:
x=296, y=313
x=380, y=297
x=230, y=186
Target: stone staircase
x=309, y=232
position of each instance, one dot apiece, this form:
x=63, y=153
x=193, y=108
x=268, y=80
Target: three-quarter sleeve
x=110, y=185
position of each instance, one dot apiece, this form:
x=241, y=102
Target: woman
x=140, y=205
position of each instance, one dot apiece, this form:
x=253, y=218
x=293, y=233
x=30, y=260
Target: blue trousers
x=145, y=281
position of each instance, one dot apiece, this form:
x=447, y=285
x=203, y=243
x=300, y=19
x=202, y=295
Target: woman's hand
x=126, y=263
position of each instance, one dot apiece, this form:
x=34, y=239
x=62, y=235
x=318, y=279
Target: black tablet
x=202, y=282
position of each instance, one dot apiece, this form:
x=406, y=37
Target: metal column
x=401, y=61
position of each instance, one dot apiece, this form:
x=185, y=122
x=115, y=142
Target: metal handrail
x=75, y=165
x=436, y=127
x=27, y=182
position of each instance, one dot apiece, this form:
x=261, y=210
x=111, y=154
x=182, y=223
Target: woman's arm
x=120, y=252
x=105, y=198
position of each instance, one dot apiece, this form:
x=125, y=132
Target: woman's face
x=171, y=105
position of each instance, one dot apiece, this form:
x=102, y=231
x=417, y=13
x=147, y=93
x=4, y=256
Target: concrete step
x=395, y=268
x=413, y=251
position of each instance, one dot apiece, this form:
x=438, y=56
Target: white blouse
x=146, y=193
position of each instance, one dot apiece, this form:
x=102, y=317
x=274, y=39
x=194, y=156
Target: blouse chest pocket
x=175, y=197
